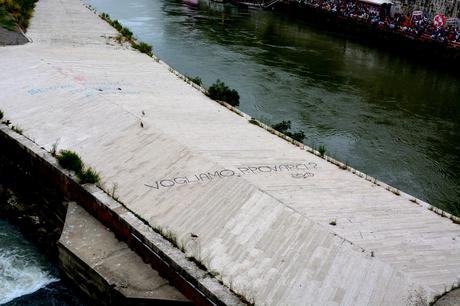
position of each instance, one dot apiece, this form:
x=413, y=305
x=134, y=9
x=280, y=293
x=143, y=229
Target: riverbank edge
x=341, y=165
x=441, y=55
x=195, y=283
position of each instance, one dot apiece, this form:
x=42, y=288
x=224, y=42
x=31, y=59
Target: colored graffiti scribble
x=87, y=89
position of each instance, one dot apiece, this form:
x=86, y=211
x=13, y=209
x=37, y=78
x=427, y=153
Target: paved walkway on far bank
x=252, y=207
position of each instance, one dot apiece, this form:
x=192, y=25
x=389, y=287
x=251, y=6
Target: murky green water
x=384, y=115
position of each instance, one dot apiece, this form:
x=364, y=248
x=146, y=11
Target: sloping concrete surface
x=249, y=205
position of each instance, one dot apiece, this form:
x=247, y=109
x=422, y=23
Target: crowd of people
x=415, y=26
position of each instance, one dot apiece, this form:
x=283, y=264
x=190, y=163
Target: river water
x=26, y=276
x=386, y=115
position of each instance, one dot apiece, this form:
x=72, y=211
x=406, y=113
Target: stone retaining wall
x=196, y=284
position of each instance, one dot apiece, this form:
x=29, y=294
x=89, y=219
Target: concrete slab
x=249, y=205
x=120, y=268
x=15, y=37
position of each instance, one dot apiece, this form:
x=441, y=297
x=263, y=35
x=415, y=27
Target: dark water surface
x=385, y=115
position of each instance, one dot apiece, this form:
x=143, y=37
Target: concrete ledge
x=15, y=37
x=195, y=283
x=105, y=268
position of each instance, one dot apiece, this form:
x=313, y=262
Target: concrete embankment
x=89, y=255
x=266, y=218
x=40, y=172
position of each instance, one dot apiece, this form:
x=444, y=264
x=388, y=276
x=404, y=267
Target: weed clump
x=117, y=25
x=105, y=17
x=19, y=10
x=89, y=176
x=220, y=91
x=143, y=48
x=6, y=21
x=126, y=33
x=322, y=150
x=70, y=160
x=285, y=126
x=197, y=80
x=17, y=129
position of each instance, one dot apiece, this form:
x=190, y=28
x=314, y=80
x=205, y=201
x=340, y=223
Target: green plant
x=117, y=25
x=70, y=160
x=197, y=80
x=322, y=150
x=285, y=126
x=105, y=16
x=299, y=135
x=220, y=91
x=6, y=21
x=17, y=129
x=143, y=47
x=89, y=176
x=19, y=10
x=282, y=127
x=126, y=33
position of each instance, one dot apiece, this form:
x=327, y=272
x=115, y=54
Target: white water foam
x=20, y=276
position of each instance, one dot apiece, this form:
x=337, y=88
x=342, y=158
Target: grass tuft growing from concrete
x=127, y=34
x=6, y=20
x=89, y=176
x=322, y=150
x=17, y=129
x=142, y=47
x=197, y=80
x=70, y=160
x=16, y=11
